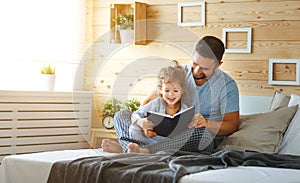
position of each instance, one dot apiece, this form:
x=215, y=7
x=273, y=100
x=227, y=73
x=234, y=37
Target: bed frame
x=15, y=168
x=34, y=121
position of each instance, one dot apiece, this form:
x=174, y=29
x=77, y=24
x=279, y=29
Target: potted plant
x=124, y=24
x=48, y=77
x=132, y=105
x=114, y=105
x=110, y=107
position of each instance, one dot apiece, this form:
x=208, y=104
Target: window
x=34, y=33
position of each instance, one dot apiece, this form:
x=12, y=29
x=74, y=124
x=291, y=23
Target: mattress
x=36, y=167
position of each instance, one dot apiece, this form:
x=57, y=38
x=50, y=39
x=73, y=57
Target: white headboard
x=34, y=121
x=254, y=104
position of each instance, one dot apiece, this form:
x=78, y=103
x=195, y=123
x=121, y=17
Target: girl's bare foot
x=111, y=146
x=133, y=147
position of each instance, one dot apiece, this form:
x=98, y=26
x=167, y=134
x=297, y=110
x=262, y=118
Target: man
x=214, y=95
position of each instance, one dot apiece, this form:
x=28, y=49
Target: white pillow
x=291, y=139
x=295, y=99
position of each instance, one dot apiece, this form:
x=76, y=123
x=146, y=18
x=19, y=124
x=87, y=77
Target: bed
x=280, y=122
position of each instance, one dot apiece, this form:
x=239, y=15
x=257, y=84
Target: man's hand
x=198, y=121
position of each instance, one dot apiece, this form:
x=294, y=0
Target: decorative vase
x=47, y=82
x=126, y=36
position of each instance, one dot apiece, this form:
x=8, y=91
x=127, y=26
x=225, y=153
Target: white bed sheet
x=244, y=174
x=35, y=168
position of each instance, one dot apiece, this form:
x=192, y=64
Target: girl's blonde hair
x=172, y=74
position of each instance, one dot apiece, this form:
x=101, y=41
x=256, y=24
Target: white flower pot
x=47, y=82
x=126, y=36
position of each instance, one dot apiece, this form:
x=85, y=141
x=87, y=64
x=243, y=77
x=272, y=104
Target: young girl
x=171, y=85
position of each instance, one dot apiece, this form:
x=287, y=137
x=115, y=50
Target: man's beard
x=202, y=77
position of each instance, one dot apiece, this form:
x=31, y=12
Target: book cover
x=167, y=125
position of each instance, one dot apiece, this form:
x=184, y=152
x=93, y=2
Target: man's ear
x=220, y=63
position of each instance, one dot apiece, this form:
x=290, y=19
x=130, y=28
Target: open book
x=166, y=125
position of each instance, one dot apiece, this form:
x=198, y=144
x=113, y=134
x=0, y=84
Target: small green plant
x=132, y=105
x=47, y=69
x=111, y=107
x=114, y=105
x=124, y=22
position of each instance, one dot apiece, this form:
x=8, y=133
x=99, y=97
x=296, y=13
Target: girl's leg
x=194, y=139
x=122, y=122
x=136, y=133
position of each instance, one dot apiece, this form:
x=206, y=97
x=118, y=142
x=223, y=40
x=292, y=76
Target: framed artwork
x=272, y=75
x=180, y=14
x=248, y=31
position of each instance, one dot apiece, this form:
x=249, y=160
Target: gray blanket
x=165, y=166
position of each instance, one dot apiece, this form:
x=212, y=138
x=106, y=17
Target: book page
x=166, y=125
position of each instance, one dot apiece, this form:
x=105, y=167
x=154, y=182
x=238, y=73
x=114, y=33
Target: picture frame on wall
x=247, y=30
x=180, y=13
x=272, y=75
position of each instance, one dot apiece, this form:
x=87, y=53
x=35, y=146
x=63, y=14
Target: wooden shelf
x=139, y=11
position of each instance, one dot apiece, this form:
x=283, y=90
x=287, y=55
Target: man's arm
x=151, y=96
x=229, y=101
x=226, y=127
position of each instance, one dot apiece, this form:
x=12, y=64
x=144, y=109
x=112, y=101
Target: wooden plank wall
x=275, y=34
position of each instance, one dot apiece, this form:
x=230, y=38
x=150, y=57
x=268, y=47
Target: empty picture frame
x=201, y=21
x=249, y=39
x=272, y=81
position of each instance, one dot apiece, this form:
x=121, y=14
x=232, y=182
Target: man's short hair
x=210, y=47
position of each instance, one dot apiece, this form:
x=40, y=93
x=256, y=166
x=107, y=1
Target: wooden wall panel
x=160, y=2
x=262, y=31
x=89, y=22
x=275, y=34
x=262, y=88
x=239, y=11
x=253, y=11
x=247, y=70
x=263, y=50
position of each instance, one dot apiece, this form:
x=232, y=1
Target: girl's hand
x=147, y=127
x=149, y=133
x=144, y=123
x=198, y=121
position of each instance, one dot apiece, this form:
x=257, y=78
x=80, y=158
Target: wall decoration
x=272, y=74
x=249, y=39
x=201, y=21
